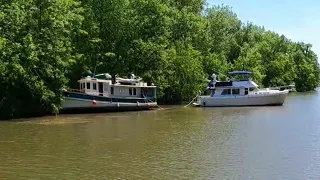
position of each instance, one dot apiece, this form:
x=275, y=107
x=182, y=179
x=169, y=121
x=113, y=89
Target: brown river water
x=269, y=143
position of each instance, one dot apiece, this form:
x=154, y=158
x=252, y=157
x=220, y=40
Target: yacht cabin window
x=83, y=86
x=130, y=91
x=235, y=91
x=246, y=91
x=134, y=91
x=88, y=85
x=94, y=86
x=226, y=92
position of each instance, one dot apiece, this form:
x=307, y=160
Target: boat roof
x=136, y=85
x=238, y=84
x=239, y=73
x=105, y=76
x=118, y=83
x=88, y=78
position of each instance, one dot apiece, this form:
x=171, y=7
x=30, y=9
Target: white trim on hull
x=247, y=100
x=75, y=103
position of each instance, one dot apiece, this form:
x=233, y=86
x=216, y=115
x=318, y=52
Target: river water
x=172, y=143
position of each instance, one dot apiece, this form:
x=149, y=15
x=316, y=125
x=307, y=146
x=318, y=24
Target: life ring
x=94, y=102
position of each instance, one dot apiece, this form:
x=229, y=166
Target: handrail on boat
x=75, y=90
x=83, y=92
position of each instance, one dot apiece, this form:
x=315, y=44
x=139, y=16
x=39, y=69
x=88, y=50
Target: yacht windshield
x=240, y=75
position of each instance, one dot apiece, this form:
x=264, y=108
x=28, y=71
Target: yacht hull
x=272, y=99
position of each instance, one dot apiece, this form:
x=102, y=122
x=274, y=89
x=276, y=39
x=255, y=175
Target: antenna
x=227, y=75
x=95, y=67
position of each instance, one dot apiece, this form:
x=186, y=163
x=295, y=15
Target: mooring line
x=191, y=101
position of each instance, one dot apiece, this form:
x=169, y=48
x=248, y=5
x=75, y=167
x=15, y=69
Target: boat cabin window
x=88, y=85
x=83, y=86
x=223, y=83
x=226, y=92
x=245, y=91
x=112, y=90
x=235, y=91
x=94, y=86
x=134, y=91
x=251, y=89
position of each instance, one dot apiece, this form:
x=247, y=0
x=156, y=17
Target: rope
x=191, y=101
x=152, y=101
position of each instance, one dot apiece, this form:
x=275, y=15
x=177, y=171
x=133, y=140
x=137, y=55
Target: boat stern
x=200, y=101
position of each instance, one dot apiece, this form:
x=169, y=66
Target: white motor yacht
x=239, y=92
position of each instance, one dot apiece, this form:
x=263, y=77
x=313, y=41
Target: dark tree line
x=46, y=45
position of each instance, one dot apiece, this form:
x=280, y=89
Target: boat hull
x=76, y=101
x=273, y=99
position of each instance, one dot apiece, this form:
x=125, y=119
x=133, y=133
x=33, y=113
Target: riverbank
x=161, y=106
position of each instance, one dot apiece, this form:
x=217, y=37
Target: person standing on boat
x=212, y=85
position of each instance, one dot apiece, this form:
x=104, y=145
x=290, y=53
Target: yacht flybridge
x=239, y=91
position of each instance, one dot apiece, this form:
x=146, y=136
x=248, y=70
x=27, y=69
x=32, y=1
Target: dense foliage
x=48, y=44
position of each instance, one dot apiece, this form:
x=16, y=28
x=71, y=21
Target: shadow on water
x=87, y=114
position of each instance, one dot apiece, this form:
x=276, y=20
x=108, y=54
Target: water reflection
x=173, y=143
